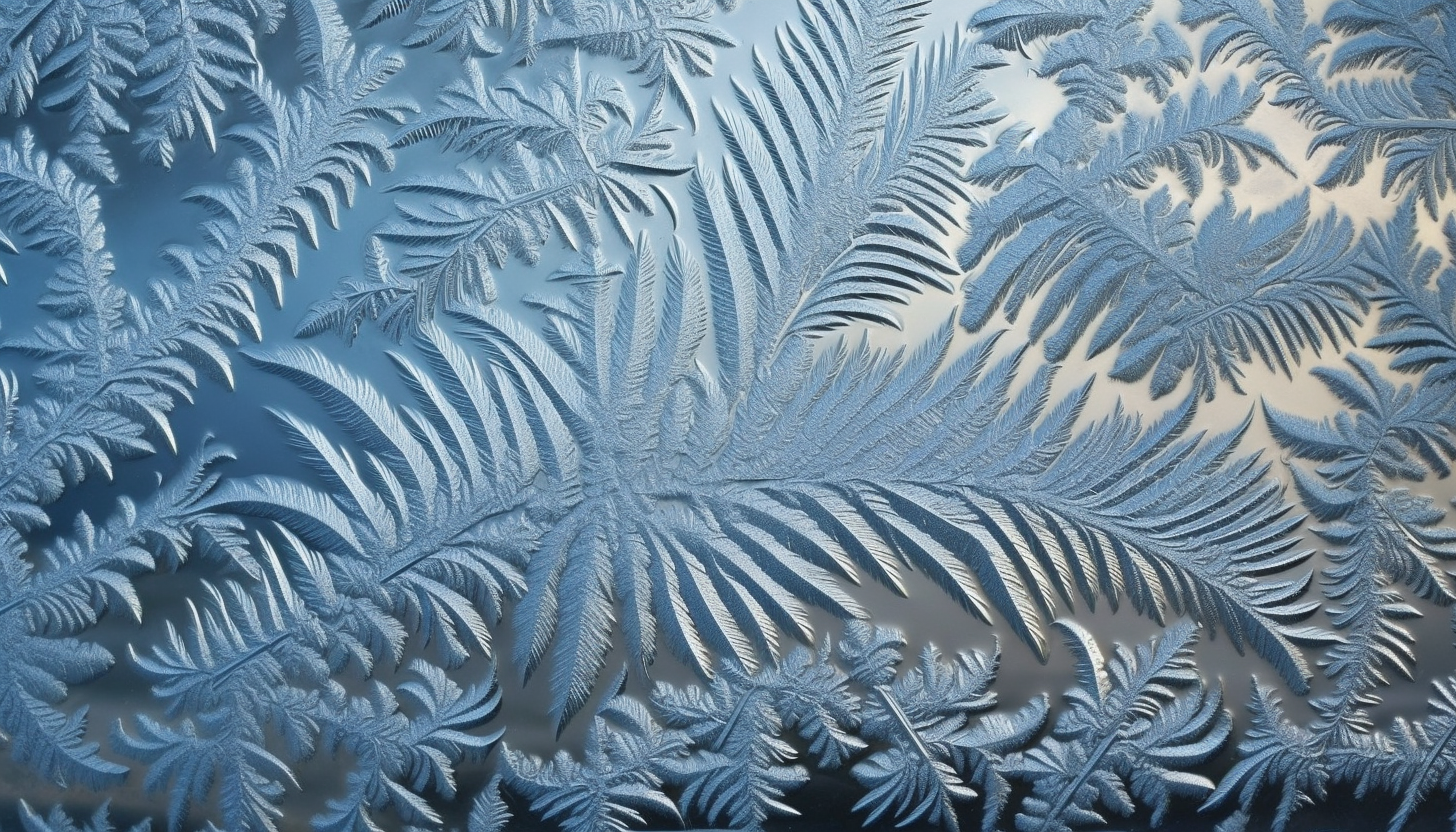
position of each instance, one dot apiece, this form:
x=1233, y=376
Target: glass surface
x=659, y=414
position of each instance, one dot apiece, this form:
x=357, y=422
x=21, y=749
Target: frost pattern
x=849, y=312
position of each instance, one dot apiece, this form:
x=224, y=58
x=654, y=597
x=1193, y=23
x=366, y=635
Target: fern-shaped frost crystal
x=1132, y=728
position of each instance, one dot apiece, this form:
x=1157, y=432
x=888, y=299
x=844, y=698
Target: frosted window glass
x=655, y=414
